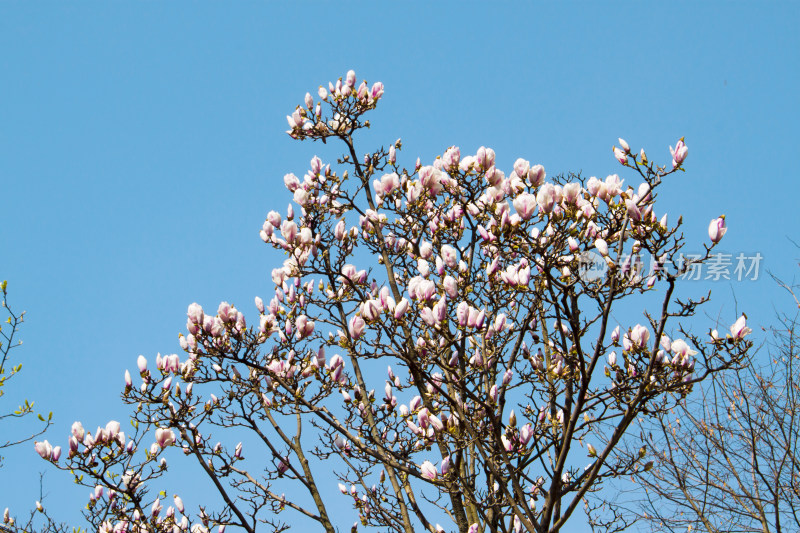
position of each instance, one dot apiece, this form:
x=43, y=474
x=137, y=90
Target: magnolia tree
x=439, y=339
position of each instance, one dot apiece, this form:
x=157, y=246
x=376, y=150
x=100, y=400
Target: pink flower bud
x=377, y=90
x=414, y=404
x=445, y=468
x=633, y=210
x=77, y=430
x=451, y=158
x=493, y=393
x=423, y=418
x=546, y=197
x=479, y=319
x=357, y=326
x=679, y=153
x=195, y=313
x=620, y=156
x=401, y=308
x=141, y=362
x=573, y=244
x=43, y=448
x=525, y=205
x=283, y=466
x=717, y=229
x=525, y=434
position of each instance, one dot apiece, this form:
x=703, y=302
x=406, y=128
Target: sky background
x=141, y=146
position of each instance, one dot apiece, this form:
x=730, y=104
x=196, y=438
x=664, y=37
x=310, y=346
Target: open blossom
x=739, y=329
x=428, y=471
x=525, y=204
x=165, y=437
x=717, y=229
x=680, y=347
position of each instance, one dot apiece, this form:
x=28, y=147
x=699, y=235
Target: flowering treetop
x=508, y=387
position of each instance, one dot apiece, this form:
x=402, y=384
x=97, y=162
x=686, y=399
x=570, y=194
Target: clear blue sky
x=141, y=146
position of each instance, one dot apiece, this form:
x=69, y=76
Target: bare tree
x=728, y=459
x=9, y=331
x=37, y=517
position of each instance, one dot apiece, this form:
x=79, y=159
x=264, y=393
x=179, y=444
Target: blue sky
x=141, y=146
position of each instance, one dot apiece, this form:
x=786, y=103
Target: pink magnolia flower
x=573, y=244
x=350, y=80
x=401, y=308
x=283, y=466
x=77, y=430
x=43, y=448
x=423, y=418
x=601, y=246
x=680, y=347
x=639, y=335
x=165, y=437
x=620, y=156
x=634, y=213
x=717, y=229
x=624, y=145
x=546, y=197
x=357, y=326
x=436, y=423
x=739, y=329
x=445, y=468
x=485, y=157
x=536, y=175
x=525, y=434
x=449, y=256
x=525, y=204
x=179, y=504
x=679, y=153
x=428, y=471
x=451, y=158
